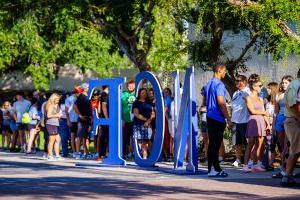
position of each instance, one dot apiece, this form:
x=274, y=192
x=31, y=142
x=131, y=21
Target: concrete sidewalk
x=31, y=177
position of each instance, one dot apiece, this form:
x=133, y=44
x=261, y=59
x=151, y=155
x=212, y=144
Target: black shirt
x=104, y=99
x=84, y=107
x=145, y=109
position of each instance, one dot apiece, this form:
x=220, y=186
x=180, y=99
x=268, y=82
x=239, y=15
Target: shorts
x=203, y=127
x=240, y=134
x=83, y=129
x=74, y=127
x=279, y=127
x=21, y=127
x=142, y=133
x=292, y=130
x=31, y=126
x=51, y=129
x=6, y=128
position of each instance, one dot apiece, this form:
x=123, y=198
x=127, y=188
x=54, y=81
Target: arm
x=104, y=109
x=296, y=111
x=138, y=115
x=203, y=105
x=223, y=108
x=251, y=108
x=15, y=113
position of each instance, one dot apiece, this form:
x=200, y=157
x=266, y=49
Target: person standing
x=240, y=116
x=278, y=128
x=6, y=120
x=292, y=129
x=53, y=114
x=64, y=129
x=83, y=109
x=143, y=115
x=20, y=107
x=104, y=138
x=72, y=117
x=217, y=118
x=33, y=126
x=258, y=124
x=128, y=97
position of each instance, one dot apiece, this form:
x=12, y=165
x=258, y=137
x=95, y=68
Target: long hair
x=51, y=100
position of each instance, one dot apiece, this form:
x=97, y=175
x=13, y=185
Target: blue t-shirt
x=214, y=88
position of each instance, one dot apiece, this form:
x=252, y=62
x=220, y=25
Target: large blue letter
x=114, y=121
x=160, y=123
x=186, y=121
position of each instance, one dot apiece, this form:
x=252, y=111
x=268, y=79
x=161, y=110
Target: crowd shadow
x=88, y=187
x=60, y=187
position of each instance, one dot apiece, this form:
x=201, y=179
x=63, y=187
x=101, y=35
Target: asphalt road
x=31, y=177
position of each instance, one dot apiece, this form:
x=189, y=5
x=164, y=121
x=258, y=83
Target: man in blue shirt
x=217, y=117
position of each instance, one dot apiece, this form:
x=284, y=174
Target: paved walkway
x=31, y=177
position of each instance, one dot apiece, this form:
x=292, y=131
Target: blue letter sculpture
x=186, y=122
x=114, y=121
x=160, y=123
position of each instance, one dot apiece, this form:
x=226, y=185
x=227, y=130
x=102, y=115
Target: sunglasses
x=238, y=80
x=259, y=85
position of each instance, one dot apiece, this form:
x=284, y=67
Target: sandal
x=220, y=174
x=288, y=181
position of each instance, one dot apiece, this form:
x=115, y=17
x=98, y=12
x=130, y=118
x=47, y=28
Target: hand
x=266, y=114
x=82, y=117
x=146, y=124
x=229, y=123
x=152, y=115
x=269, y=127
x=69, y=123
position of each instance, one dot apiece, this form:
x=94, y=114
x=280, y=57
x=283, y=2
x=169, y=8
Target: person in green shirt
x=128, y=97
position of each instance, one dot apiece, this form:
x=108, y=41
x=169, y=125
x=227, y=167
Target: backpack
x=26, y=118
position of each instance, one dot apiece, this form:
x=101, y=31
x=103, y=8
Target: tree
x=38, y=36
x=266, y=23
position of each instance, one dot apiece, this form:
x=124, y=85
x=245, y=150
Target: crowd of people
x=262, y=123
x=66, y=122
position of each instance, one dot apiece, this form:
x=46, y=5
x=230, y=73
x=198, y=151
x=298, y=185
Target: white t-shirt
x=33, y=113
x=239, y=108
x=20, y=107
x=70, y=103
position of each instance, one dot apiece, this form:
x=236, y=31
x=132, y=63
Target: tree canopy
x=36, y=36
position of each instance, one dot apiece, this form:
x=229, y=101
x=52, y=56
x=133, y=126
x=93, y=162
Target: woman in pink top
x=257, y=125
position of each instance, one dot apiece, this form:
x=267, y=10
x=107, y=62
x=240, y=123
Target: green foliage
x=36, y=36
x=258, y=18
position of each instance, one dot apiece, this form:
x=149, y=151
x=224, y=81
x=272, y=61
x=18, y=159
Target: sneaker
x=212, y=172
x=236, y=163
x=77, y=156
x=100, y=158
x=288, y=181
x=250, y=163
x=51, y=158
x=258, y=168
x=83, y=157
x=45, y=156
x=59, y=158
x=220, y=174
x=246, y=169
